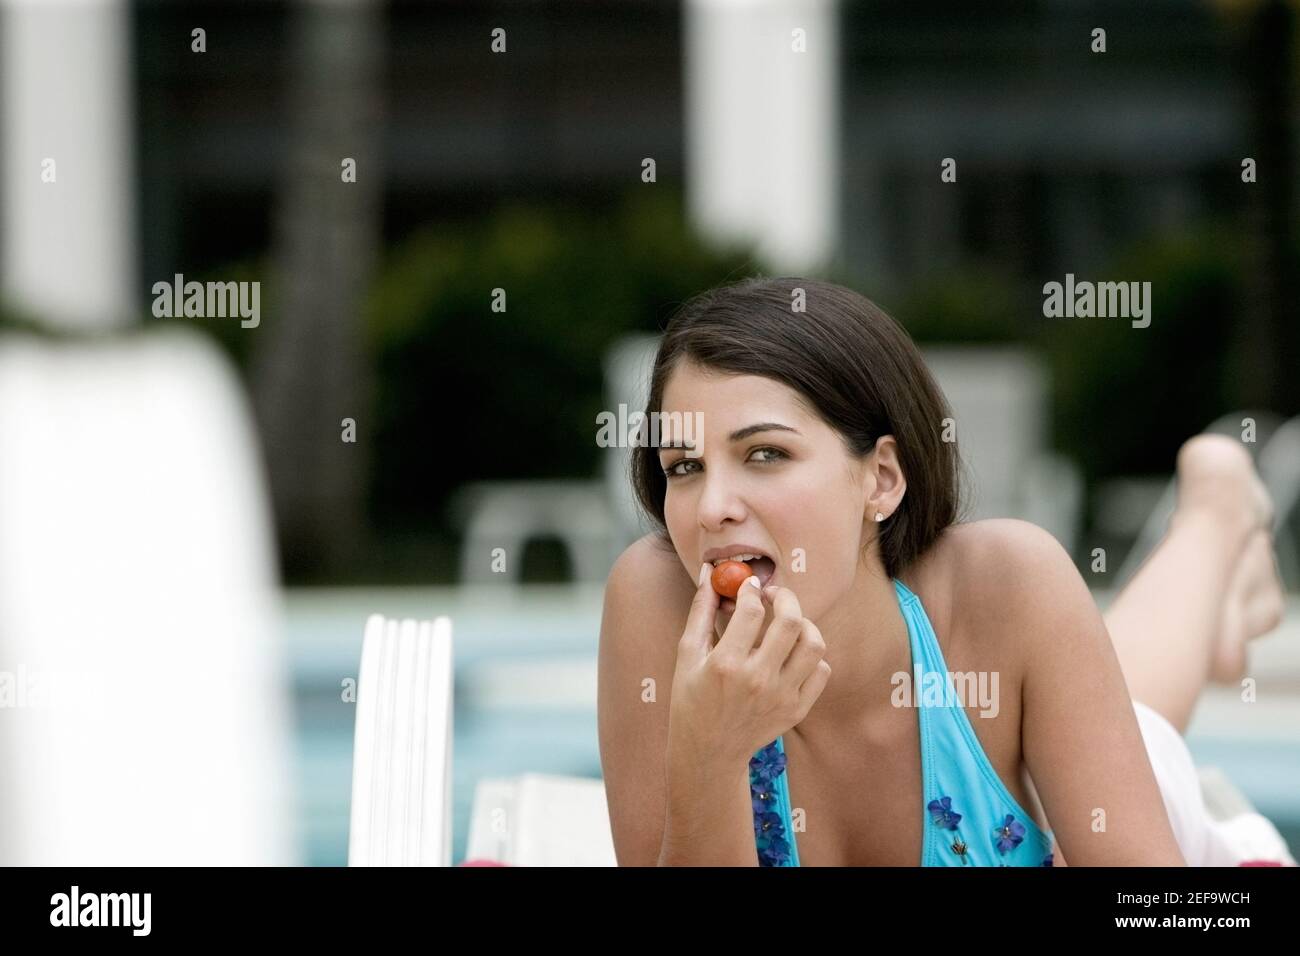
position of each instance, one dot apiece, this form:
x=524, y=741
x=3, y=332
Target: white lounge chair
x=401, y=767
x=999, y=403
x=506, y=515
x=541, y=820
x=139, y=603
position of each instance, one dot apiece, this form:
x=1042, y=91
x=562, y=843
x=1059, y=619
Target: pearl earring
x=879, y=516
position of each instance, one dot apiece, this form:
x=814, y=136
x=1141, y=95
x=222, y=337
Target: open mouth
x=763, y=568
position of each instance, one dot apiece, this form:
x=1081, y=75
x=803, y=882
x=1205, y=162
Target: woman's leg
x=1207, y=587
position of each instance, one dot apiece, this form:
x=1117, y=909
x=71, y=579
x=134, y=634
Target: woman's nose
x=719, y=502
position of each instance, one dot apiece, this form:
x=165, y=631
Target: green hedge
x=466, y=393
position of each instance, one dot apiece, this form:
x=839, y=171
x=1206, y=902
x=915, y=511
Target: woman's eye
x=675, y=469
x=775, y=454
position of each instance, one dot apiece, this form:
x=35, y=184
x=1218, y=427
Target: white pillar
x=69, y=246
x=762, y=126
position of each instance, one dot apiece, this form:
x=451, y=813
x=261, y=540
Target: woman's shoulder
x=985, y=551
x=648, y=574
x=988, y=573
x=651, y=554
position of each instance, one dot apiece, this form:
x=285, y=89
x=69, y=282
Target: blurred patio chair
x=594, y=519
x=509, y=514
x=139, y=606
x=541, y=820
x=401, y=765
x=998, y=397
x=628, y=365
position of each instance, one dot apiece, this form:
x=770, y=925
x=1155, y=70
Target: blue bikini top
x=971, y=819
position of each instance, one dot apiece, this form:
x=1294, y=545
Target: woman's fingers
x=812, y=688
x=808, y=652
x=787, y=622
x=697, y=637
x=746, y=621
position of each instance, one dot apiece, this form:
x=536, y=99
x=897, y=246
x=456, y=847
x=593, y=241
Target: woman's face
x=770, y=478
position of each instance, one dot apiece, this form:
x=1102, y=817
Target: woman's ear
x=886, y=483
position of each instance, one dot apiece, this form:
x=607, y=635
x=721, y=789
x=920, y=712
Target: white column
x=762, y=126
x=69, y=248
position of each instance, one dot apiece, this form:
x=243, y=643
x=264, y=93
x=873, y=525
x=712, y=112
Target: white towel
x=1203, y=840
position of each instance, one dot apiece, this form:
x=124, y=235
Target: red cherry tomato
x=729, y=576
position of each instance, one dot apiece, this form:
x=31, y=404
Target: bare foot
x=1217, y=477
x=1217, y=480
x=1254, y=605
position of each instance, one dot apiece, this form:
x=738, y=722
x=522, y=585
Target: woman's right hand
x=735, y=698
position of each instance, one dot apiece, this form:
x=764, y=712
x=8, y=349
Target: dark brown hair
x=852, y=364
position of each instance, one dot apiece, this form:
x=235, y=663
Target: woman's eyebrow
x=760, y=427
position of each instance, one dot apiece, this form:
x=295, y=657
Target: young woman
x=791, y=725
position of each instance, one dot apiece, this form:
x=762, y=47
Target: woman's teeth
x=737, y=557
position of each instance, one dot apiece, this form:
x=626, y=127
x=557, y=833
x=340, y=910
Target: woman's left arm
x=1079, y=735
